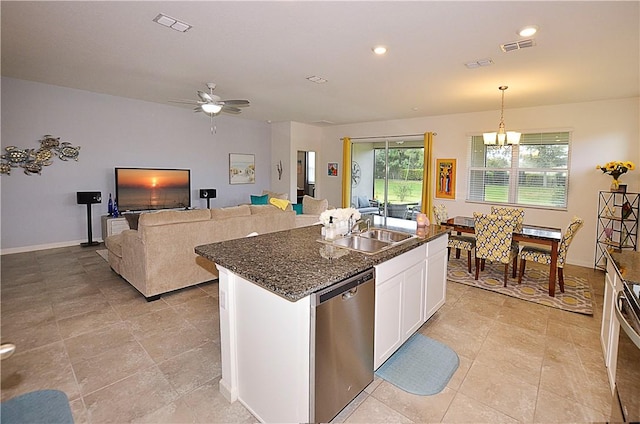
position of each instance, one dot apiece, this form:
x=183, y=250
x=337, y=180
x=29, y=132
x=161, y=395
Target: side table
x=111, y=225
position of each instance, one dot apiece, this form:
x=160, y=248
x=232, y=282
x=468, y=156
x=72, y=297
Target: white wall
x=601, y=131
x=40, y=211
x=281, y=150
x=306, y=138
x=287, y=138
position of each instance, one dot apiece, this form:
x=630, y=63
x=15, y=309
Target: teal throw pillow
x=260, y=200
x=297, y=207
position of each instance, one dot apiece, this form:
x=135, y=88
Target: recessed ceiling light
x=528, y=31
x=379, y=50
x=172, y=23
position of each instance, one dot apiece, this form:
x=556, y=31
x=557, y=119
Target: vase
x=615, y=184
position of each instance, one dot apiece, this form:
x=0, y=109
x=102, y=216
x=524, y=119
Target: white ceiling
x=263, y=51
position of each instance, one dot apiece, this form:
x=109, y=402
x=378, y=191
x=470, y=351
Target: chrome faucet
x=356, y=225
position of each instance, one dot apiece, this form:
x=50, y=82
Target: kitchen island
x=265, y=285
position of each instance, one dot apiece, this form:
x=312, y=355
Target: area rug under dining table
x=534, y=286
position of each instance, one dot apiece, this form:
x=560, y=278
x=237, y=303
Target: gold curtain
x=346, y=172
x=427, y=175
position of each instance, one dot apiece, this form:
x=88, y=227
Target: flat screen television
x=139, y=189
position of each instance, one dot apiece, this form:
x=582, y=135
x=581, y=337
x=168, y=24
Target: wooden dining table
x=549, y=236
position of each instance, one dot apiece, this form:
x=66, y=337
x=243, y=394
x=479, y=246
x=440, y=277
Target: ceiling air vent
x=517, y=45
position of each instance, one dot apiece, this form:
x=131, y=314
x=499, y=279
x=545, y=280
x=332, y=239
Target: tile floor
x=81, y=329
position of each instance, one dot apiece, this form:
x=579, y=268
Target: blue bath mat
x=39, y=407
x=421, y=366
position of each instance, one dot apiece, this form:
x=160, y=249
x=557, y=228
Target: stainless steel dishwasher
x=342, y=326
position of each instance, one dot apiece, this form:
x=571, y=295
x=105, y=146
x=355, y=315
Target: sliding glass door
x=387, y=176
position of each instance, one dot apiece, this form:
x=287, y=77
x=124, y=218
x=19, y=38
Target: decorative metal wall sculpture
x=32, y=160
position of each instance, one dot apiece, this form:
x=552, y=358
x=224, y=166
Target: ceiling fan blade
x=206, y=97
x=231, y=109
x=237, y=103
x=185, y=102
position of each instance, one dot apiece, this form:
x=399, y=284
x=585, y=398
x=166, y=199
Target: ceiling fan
x=212, y=104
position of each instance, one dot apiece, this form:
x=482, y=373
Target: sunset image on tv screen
x=141, y=189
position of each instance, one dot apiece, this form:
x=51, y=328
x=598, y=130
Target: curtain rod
x=387, y=136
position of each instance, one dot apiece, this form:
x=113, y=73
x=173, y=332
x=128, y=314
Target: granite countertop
x=628, y=263
x=293, y=263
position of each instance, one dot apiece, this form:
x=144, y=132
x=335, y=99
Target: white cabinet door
x=409, y=289
x=607, y=307
x=436, y=284
x=399, y=301
x=388, y=323
x=610, y=329
x=413, y=297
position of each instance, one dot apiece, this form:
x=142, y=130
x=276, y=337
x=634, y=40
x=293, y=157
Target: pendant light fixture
x=502, y=136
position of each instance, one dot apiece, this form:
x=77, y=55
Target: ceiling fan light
x=211, y=108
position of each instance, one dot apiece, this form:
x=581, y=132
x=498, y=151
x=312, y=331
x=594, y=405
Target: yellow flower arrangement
x=616, y=168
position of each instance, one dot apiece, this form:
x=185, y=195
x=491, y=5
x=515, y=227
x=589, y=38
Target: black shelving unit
x=617, y=224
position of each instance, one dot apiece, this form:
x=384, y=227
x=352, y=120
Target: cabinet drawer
x=436, y=245
x=399, y=264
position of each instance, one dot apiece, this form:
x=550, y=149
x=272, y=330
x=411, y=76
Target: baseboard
x=36, y=247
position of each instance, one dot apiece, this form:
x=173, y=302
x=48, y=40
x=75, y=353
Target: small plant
x=616, y=168
x=403, y=190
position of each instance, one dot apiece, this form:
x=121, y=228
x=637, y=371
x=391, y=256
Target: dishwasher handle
x=348, y=295
x=624, y=324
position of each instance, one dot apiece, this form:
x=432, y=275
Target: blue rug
x=39, y=407
x=421, y=366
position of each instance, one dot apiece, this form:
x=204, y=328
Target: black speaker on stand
x=89, y=198
x=208, y=193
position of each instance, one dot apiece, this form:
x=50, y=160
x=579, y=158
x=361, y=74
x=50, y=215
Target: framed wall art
x=446, y=178
x=332, y=169
x=242, y=168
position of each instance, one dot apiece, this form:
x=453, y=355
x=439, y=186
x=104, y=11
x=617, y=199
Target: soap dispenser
x=331, y=231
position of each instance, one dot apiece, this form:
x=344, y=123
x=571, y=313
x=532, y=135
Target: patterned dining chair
x=457, y=242
x=515, y=213
x=494, y=236
x=543, y=255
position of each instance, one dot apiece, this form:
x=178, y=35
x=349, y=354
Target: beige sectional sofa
x=159, y=256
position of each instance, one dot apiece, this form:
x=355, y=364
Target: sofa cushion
x=260, y=200
x=363, y=202
x=313, y=206
x=172, y=217
x=114, y=244
x=264, y=209
x=221, y=213
x=272, y=194
x=297, y=207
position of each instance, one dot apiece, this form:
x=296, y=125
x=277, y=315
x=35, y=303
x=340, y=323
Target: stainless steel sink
x=361, y=244
x=371, y=241
x=388, y=236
